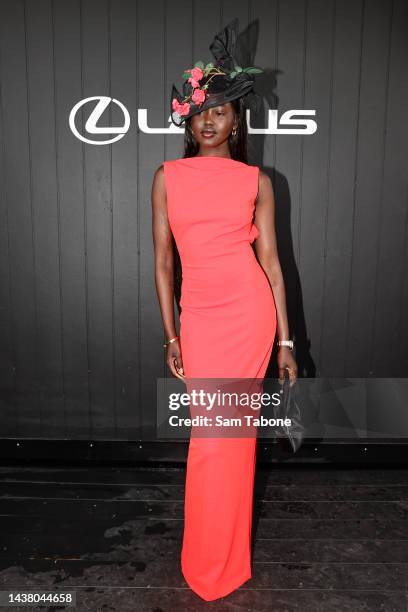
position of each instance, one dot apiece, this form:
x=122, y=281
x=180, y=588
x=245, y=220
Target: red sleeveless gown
x=227, y=330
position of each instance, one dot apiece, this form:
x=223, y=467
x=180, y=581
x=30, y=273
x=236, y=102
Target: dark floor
x=325, y=540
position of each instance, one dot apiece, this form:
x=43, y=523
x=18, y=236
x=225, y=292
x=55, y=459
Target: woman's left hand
x=287, y=362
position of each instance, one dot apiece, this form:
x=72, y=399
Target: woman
x=215, y=206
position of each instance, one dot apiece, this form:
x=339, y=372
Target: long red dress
x=227, y=329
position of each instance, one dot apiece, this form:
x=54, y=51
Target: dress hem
x=223, y=593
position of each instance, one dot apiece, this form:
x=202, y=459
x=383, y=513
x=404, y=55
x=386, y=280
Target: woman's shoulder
x=262, y=175
x=163, y=172
x=166, y=162
x=257, y=167
x=159, y=173
x=160, y=170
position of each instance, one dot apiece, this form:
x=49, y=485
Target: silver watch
x=288, y=343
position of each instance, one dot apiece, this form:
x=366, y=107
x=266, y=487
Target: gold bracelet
x=170, y=341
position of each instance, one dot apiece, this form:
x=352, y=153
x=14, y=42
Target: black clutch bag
x=289, y=410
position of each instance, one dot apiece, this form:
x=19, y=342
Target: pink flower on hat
x=196, y=75
x=198, y=96
x=181, y=109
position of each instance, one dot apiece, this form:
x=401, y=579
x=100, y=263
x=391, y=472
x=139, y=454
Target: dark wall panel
x=153, y=51
x=311, y=248
x=125, y=224
x=337, y=238
x=19, y=290
x=70, y=171
x=45, y=218
x=391, y=259
x=81, y=334
x=368, y=180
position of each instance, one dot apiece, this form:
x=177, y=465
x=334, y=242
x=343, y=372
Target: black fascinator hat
x=215, y=83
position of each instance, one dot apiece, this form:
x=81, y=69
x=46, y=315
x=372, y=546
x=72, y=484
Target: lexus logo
x=294, y=120
x=90, y=125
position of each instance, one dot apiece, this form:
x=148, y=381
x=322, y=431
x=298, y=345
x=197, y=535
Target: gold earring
x=234, y=132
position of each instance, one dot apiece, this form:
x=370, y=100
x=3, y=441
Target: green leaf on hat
x=199, y=64
x=253, y=70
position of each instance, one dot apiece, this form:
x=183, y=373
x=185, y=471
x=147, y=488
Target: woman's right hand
x=174, y=359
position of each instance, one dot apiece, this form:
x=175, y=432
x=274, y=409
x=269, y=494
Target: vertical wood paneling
x=291, y=86
x=98, y=227
x=391, y=260
x=265, y=14
x=25, y=402
x=126, y=207
x=262, y=43
x=291, y=57
x=7, y=353
x=368, y=185
x=342, y=161
x=403, y=307
x=176, y=57
x=151, y=27
x=45, y=214
x=315, y=167
x=81, y=333
x=72, y=223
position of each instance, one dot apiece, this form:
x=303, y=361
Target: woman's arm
x=164, y=269
x=267, y=254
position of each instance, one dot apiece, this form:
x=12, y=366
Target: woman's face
x=212, y=127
